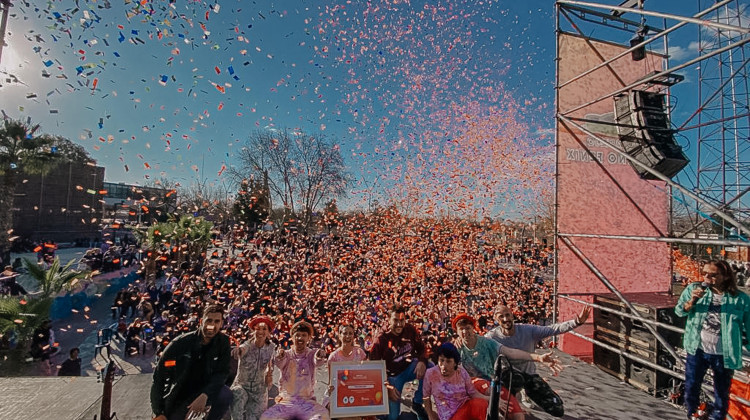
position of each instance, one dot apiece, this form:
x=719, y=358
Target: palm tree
x=20, y=317
x=20, y=151
x=187, y=238
x=195, y=235
x=55, y=279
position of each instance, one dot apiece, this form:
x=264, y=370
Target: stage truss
x=709, y=112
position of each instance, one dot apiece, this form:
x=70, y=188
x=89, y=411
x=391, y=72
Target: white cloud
x=679, y=53
x=710, y=35
x=728, y=16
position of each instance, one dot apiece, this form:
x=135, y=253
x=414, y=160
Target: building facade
x=64, y=205
x=134, y=204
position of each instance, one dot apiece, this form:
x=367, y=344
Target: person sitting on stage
x=189, y=378
x=347, y=352
x=449, y=393
x=525, y=337
x=297, y=382
x=404, y=353
x=478, y=355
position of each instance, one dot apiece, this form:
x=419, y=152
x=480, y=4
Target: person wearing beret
x=255, y=371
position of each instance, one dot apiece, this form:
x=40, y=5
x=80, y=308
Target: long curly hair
x=726, y=271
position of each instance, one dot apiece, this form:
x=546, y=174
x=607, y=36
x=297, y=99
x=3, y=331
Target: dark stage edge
x=588, y=392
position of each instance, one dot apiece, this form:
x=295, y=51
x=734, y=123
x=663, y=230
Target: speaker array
x=645, y=133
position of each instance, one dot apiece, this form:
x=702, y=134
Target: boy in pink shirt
x=297, y=381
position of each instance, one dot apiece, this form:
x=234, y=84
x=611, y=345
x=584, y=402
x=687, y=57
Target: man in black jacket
x=190, y=376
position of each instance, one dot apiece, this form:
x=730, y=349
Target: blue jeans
x=398, y=381
x=695, y=370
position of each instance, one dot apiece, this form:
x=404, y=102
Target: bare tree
x=211, y=201
x=301, y=170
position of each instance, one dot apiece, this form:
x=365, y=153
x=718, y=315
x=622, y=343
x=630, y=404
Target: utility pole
x=3, y=25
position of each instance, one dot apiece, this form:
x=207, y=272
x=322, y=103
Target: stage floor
x=588, y=392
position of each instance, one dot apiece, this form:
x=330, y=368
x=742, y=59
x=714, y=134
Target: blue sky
x=154, y=89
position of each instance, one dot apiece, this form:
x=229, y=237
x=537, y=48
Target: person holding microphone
x=718, y=318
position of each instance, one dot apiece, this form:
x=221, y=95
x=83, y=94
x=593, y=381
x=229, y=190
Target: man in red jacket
x=402, y=350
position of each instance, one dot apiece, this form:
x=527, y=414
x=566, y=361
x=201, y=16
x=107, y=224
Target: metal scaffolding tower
x=723, y=118
x=608, y=51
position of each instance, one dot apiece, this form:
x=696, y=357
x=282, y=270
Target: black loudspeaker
x=645, y=133
x=632, y=336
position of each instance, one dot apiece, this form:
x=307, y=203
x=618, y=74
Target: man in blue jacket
x=718, y=317
x=190, y=377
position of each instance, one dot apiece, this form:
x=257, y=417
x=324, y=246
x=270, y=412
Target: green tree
x=252, y=204
x=183, y=239
x=21, y=316
x=55, y=279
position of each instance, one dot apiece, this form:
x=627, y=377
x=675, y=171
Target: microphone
x=703, y=286
x=496, y=385
x=498, y=368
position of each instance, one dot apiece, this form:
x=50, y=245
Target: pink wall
x=591, y=202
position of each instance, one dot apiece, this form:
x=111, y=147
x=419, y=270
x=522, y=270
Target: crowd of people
x=109, y=258
x=349, y=278
x=353, y=274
